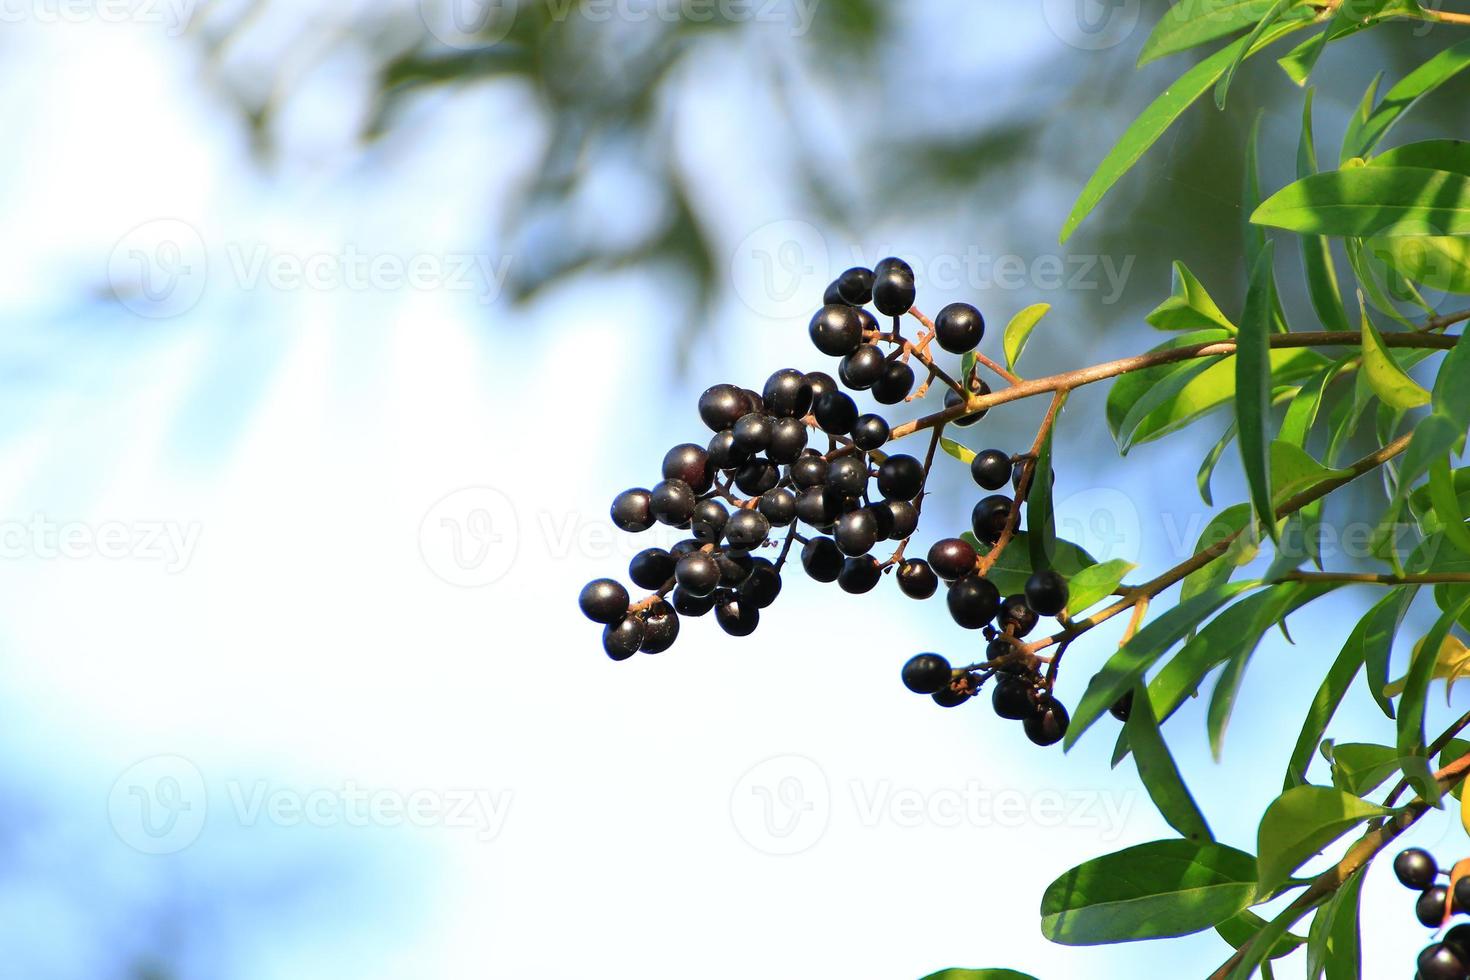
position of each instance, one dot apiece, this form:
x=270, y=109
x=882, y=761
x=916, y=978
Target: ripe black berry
x=1461, y=895
x=689, y=463
x=747, y=529
x=895, y=384
x=848, y=475
x=1441, y=962
x=1415, y=868
x=859, y=575
x=808, y=472
x=604, y=601
x=905, y=519
x=822, y=559
x=855, y=286
x=959, y=328
x=687, y=603
x=788, y=394
x=631, y=511
x=950, y=698
x=926, y=673
x=870, y=432
x=893, y=287
x=754, y=402
x=917, y=580
x=836, y=329
x=1458, y=939
x=857, y=532
x=753, y=433
x=722, y=452
x=651, y=568
x=708, y=521
x=737, y=618
x=1011, y=699
x=1016, y=617
x=973, y=602
x=672, y=502
x=883, y=517
x=900, y=478
x=734, y=569
x=788, y=439
x=778, y=507
x=1046, y=592
x=833, y=294
x=952, y=400
x=1430, y=907
x=991, y=469
x=721, y=406
x=835, y=412
x=818, y=507
x=757, y=476
x=862, y=368
x=763, y=585
x=952, y=558
x=1048, y=725
x=697, y=574
x=989, y=518
x=660, y=628
x=686, y=547
x=821, y=382
x=1019, y=470
x=1123, y=707
x=622, y=639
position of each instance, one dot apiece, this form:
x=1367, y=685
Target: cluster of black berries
x=1448, y=959
x=758, y=473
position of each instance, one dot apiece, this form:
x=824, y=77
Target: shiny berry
x=689, y=463
x=893, y=287
x=900, y=478
x=884, y=518
x=1046, y=592
x=621, y=640
x=753, y=433
x=778, y=507
x=763, y=586
x=989, y=518
x=835, y=412
x=950, y=698
x=855, y=286
x=952, y=400
x=737, y=618
x=788, y=394
x=1415, y=868
x=687, y=603
x=848, y=475
x=1122, y=709
x=660, y=628
x=1430, y=907
x=747, y=529
x=1016, y=617
x=859, y=575
x=952, y=558
x=926, y=673
x=917, y=580
x=1048, y=725
x=895, y=384
x=604, y=601
x=862, y=368
x=959, y=328
x=857, y=532
x=757, y=476
x=822, y=559
x=808, y=471
x=708, y=520
x=905, y=519
x=651, y=568
x=1458, y=939
x=1441, y=962
x=836, y=329
x=818, y=507
x=721, y=406
x=991, y=469
x=788, y=439
x=1461, y=894
x=697, y=574
x=1012, y=699
x=1019, y=470
x=734, y=569
x=870, y=432
x=672, y=502
x=833, y=295
x=820, y=382
x=973, y=602
x=723, y=455
x=631, y=511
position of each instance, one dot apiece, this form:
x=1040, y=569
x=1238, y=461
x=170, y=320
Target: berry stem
x=987, y=561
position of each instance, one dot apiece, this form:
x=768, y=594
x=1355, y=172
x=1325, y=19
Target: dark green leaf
x=1416, y=683
x=1160, y=775
x=1040, y=523
x=1364, y=133
x=1317, y=263
x=1222, y=87
x=1299, y=824
x=1188, y=25
x=1010, y=573
x=1242, y=928
x=1253, y=387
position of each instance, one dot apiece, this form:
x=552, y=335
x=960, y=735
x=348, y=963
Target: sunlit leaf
x=1299, y=824
x=1018, y=331
x=1367, y=201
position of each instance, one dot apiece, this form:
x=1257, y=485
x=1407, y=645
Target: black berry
x=763, y=586
x=604, y=601
x=1431, y=906
x=991, y=469
x=753, y=433
x=1011, y=699
x=737, y=618
x=778, y=507
x=697, y=574
x=631, y=511
x=757, y=476
x=1441, y=962
x=959, y=328
x=822, y=559
x=905, y=519
x=950, y=698
x=895, y=384
x=747, y=529
x=1415, y=868
x=734, y=569
x=672, y=502
x=622, y=639
x=687, y=603
x=660, y=628
x=1048, y=725
x=708, y=521
x=973, y=602
x=723, y=455
x=1046, y=592
x=788, y=439
x=818, y=507
x=1016, y=617
x=893, y=287
x=855, y=286
x=689, y=463
x=862, y=368
x=808, y=471
x=651, y=568
x=836, y=329
x=848, y=475
x=857, y=532
x=1123, y=707
x=859, y=575
x=835, y=412
x=989, y=518
x=788, y=394
x=917, y=580
x=952, y=558
x=870, y=432
x=952, y=400
x=820, y=383
x=926, y=673
x=721, y=406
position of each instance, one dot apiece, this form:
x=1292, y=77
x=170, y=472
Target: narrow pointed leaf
x=1299, y=824
x=1160, y=775
x=1367, y=201
x=1018, y=331
x=1253, y=387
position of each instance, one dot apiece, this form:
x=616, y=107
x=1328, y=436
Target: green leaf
x=1439, y=262
x=1361, y=767
x=1188, y=25
x=1388, y=380
x=1018, y=331
x=1447, y=504
x=1253, y=387
x=1125, y=667
x=1189, y=306
x=1254, y=953
x=1163, y=397
x=1367, y=201
x=1040, y=522
x=1293, y=470
x=1454, y=749
x=1231, y=520
x=1010, y=572
x=1444, y=429
x=1242, y=928
x=1211, y=460
x=979, y=975
x=1317, y=263
x=1444, y=154
x=1151, y=891
x=1155, y=120
x=1350, y=18
x=961, y=453
x=1092, y=585
x=1341, y=955
x=1299, y=824
x=1160, y=775
x=1329, y=696
x=1222, y=87
x=1416, y=682
x=1301, y=414
x=1364, y=132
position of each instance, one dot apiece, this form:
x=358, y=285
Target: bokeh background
x=332, y=329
